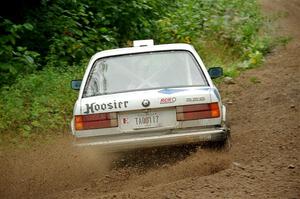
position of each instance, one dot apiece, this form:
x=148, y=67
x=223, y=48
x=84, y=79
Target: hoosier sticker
x=91, y=108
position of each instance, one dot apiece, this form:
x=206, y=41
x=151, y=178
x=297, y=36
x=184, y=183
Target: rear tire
x=225, y=144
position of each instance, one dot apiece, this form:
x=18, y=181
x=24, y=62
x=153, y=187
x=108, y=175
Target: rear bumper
x=129, y=141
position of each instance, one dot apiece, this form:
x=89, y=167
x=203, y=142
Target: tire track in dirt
x=61, y=170
x=39, y=171
x=146, y=168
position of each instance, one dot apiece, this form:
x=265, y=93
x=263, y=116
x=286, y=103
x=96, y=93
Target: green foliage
x=70, y=31
x=211, y=25
x=15, y=60
x=41, y=102
x=76, y=33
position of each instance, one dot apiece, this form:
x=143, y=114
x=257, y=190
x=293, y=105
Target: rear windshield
x=152, y=70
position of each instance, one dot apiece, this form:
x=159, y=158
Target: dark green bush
x=70, y=31
x=15, y=60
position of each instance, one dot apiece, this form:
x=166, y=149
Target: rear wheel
x=224, y=144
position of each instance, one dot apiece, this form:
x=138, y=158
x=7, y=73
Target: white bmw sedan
x=148, y=95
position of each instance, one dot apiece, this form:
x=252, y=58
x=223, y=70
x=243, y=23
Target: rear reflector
x=96, y=121
x=197, y=111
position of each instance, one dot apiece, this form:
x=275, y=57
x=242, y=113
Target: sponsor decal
x=94, y=107
x=169, y=91
x=195, y=99
x=145, y=103
x=167, y=100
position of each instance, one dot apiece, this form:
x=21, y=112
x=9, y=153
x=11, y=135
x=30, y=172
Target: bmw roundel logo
x=146, y=103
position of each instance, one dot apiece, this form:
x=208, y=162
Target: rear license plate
x=147, y=120
x=142, y=120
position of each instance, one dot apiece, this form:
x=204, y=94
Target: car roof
x=132, y=50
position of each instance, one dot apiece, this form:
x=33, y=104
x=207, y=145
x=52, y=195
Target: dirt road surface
x=263, y=162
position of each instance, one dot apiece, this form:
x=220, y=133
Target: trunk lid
x=147, y=99
x=144, y=110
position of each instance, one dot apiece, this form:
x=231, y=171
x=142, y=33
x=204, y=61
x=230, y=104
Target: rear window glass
x=152, y=70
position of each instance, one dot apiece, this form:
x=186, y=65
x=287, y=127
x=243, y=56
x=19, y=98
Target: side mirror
x=75, y=84
x=215, y=72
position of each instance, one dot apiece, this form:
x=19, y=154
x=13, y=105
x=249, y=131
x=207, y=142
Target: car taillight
x=95, y=121
x=197, y=111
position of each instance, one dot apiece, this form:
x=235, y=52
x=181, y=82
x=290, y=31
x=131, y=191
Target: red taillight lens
x=214, y=110
x=95, y=121
x=197, y=111
x=79, y=122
